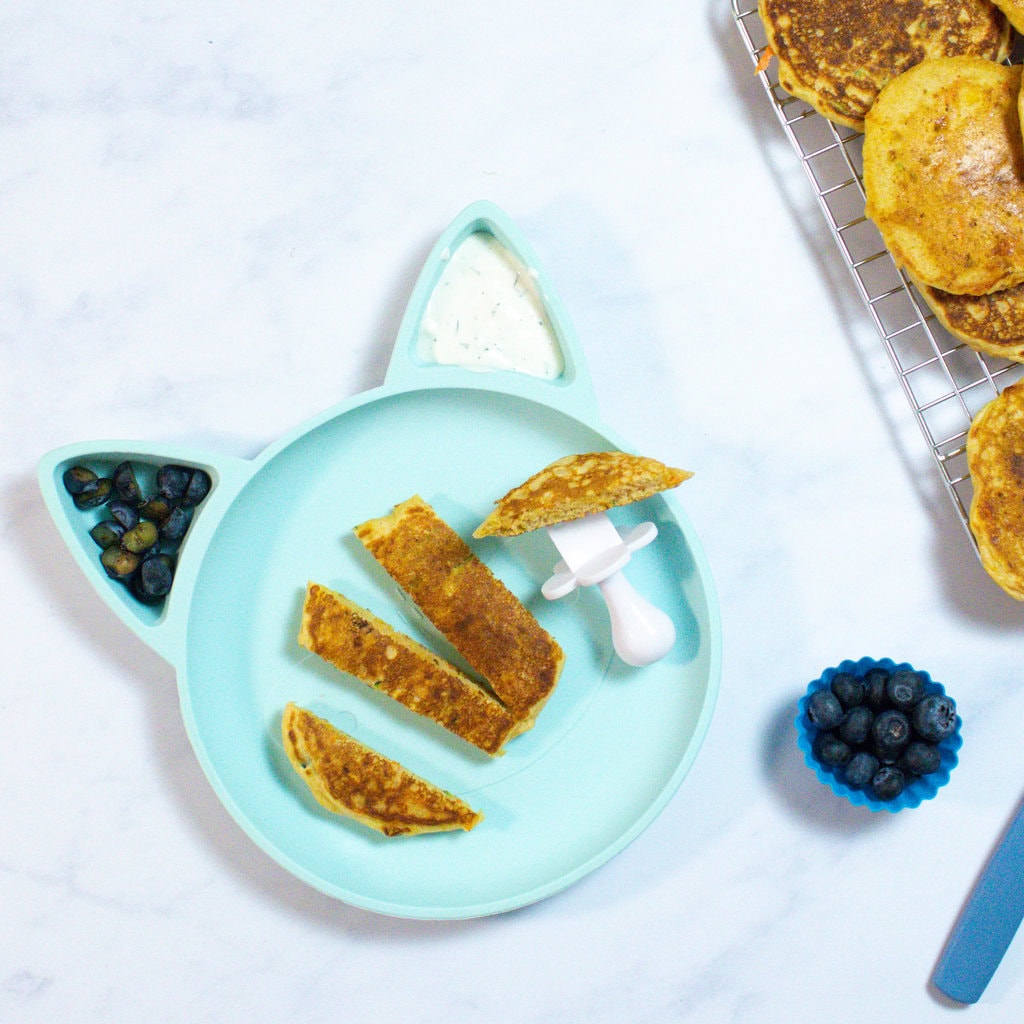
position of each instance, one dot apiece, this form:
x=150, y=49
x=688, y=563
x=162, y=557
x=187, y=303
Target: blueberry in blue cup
x=882, y=734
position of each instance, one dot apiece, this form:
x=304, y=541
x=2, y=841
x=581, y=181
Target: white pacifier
x=594, y=552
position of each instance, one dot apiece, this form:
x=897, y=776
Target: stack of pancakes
x=927, y=83
x=944, y=182
x=837, y=55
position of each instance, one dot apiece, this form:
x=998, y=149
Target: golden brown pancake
x=349, y=778
x=992, y=323
x=995, y=459
x=837, y=55
x=482, y=619
x=1014, y=11
x=576, y=486
x=357, y=642
x=944, y=174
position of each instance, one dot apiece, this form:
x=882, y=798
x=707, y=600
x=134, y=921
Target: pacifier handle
x=641, y=632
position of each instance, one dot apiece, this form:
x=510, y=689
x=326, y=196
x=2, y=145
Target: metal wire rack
x=945, y=381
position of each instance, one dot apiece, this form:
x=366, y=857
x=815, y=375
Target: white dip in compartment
x=486, y=313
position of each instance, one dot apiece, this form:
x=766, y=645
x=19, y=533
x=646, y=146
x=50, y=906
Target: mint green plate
x=612, y=744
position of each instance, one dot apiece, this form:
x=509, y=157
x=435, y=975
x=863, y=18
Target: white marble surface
x=212, y=215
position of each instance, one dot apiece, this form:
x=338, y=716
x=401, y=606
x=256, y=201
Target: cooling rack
x=944, y=380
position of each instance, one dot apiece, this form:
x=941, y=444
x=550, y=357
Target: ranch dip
x=486, y=313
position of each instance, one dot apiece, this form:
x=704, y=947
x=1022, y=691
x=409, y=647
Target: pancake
x=944, y=174
x=995, y=460
x=482, y=619
x=349, y=778
x=1014, y=11
x=992, y=323
x=576, y=486
x=837, y=55
x=357, y=642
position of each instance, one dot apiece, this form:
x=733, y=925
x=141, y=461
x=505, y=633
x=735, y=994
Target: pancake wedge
x=837, y=55
x=350, y=779
x=575, y=486
x=482, y=619
x=992, y=323
x=944, y=174
x=995, y=460
x=360, y=644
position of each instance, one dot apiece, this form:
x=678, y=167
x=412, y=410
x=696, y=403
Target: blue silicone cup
x=920, y=788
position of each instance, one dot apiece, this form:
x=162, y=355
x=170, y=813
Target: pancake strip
x=357, y=642
x=474, y=611
x=576, y=486
x=349, y=778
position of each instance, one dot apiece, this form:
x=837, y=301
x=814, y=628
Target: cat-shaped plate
x=610, y=747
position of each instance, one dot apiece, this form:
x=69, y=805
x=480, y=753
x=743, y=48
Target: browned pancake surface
x=359, y=643
x=578, y=485
x=995, y=459
x=992, y=323
x=944, y=174
x=349, y=778
x=837, y=55
x=472, y=608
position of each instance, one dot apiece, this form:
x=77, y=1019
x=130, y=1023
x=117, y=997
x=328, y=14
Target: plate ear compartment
x=138, y=506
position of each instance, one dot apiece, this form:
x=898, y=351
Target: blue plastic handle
x=988, y=922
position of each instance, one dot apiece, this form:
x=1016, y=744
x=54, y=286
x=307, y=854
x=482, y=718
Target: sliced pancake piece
x=354, y=640
x=995, y=460
x=1014, y=11
x=351, y=779
x=944, y=174
x=575, y=486
x=482, y=619
x=837, y=55
x=992, y=323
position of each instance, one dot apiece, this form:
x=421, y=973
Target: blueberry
x=78, y=478
x=153, y=580
x=874, y=688
x=124, y=512
x=173, y=528
x=861, y=768
x=197, y=489
x=890, y=732
x=824, y=709
x=94, y=494
x=856, y=725
x=172, y=481
x=126, y=486
x=920, y=758
x=141, y=537
x=904, y=688
x=888, y=782
x=118, y=563
x=935, y=717
x=848, y=689
x=156, y=508
x=107, y=533
x=830, y=750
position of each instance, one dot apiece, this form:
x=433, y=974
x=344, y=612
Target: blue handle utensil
x=988, y=922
